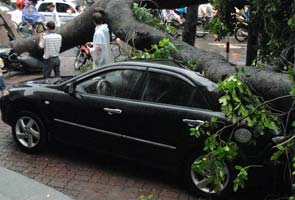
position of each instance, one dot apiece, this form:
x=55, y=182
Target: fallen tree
x=265, y=83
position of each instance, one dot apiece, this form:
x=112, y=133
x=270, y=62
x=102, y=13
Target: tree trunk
x=252, y=43
x=75, y=32
x=190, y=25
x=251, y=46
x=265, y=83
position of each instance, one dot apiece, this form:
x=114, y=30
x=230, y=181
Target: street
x=81, y=174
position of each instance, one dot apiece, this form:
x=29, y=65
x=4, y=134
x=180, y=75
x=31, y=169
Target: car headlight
x=243, y=135
x=5, y=93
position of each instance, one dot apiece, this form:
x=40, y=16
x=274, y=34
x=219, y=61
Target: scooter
x=241, y=30
x=15, y=62
x=83, y=56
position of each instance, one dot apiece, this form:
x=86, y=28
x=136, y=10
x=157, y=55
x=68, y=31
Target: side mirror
x=70, y=88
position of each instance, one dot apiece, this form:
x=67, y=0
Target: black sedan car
x=138, y=110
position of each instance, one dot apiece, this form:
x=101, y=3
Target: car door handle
x=113, y=111
x=192, y=122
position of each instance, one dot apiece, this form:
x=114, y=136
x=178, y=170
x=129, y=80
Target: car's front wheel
x=201, y=182
x=29, y=132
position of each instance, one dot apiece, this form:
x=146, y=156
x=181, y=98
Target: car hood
x=42, y=82
x=48, y=81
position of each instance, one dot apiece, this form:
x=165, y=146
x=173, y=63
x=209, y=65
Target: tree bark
x=190, y=25
x=75, y=32
x=265, y=83
x=251, y=46
x=252, y=43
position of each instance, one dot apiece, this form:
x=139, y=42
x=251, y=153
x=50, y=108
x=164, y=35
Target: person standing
x=51, y=43
x=101, y=50
x=55, y=17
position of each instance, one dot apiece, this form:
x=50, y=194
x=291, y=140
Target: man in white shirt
x=101, y=50
x=51, y=43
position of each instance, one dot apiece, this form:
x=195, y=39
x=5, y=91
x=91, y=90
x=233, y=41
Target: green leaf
x=226, y=148
x=223, y=101
x=235, y=97
x=238, y=167
x=214, y=120
x=277, y=154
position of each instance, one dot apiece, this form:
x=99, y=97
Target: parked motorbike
x=201, y=29
x=13, y=61
x=83, y=56
x=241, y=30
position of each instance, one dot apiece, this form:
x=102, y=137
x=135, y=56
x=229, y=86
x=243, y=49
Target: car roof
x=192, y=75
x=56, y=1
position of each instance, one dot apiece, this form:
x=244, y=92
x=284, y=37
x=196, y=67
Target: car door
x=161, y=119
x=96, y=115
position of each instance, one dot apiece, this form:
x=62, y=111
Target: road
x=237, y=54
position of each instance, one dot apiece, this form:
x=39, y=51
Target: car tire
x=240, y=35
x=200, y=30
x=29, y=132
x=195, y=181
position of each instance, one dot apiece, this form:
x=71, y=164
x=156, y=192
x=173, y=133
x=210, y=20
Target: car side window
x=64, y=8
x=117, y=83
x=44, y=7
x=162, y=88
x=198, y=100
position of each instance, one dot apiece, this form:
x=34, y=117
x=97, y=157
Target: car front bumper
x=4, y=107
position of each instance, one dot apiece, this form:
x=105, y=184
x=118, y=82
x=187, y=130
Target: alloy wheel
x=27, y=132
x=203, y=183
